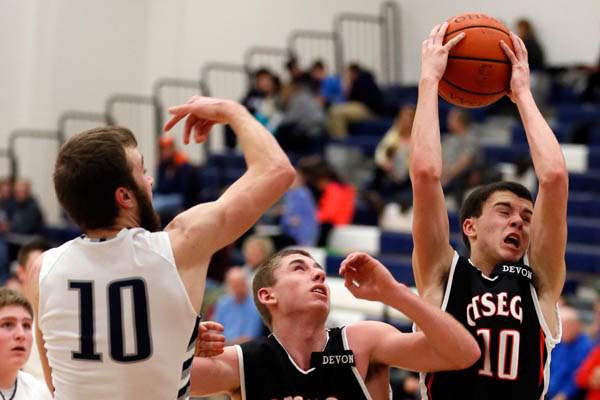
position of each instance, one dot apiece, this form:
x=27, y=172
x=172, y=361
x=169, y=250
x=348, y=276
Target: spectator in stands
x=460, y=149
x=173, y=180
x=588, y=375
x=298, y=219
x=567, y=356
x=364, y=100
x=391, y=178
x=303, y=125
x=591, y=93
x=6, y=200
x=262, y=101
x=25, y=217
x=535, y=52
x=327, y=87
x=255, y=250
x=26, y=256
x=16, y=338
x=595, y=328
x=335, y=199
x=296, y=74
x=236, y=310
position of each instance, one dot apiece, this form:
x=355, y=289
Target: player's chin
x=511, y=255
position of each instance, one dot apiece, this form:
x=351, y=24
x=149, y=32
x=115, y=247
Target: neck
x=301, y=343
x=107, y=233
x=8, y=378
x=484, y=264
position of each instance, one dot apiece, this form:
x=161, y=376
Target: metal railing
x=273, y=58
x=11, y=163
x=34, y=159
x=140, y=114
x=225, y=80
x=74, y=121
x=311, y=45
x=372, y=40
x=169, y=92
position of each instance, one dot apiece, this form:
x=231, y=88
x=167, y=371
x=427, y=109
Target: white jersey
x=116, y=319
x=27, y=388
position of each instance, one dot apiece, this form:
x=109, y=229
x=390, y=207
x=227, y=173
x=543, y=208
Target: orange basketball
x=478, y=71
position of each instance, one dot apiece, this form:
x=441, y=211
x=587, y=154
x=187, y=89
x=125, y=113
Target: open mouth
x=18, y=349
x=513, y=241
x=320, y=290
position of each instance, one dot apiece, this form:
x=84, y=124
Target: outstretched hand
x=434, y=54
x=365, y=277
x=519, y=81
x=210, y=341
x=201, y=114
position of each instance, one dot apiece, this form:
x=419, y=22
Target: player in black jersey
x=301, y=358
x=506, y=292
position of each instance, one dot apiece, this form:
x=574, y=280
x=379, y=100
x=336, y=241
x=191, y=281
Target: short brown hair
x=265, y=277
x=473, y=204
x=89, y=168
x=30, y=247
x=9, y=297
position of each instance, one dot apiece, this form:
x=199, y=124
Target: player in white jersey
x=117, y=308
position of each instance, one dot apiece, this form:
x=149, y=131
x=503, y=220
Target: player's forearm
x=546, y=154
x=259, y=147
x=447, y=336
x=426, y=148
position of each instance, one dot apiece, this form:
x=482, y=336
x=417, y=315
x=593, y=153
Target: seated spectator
x=298, y=219
x=296, y=74
x=588, y=375
x=25, y=216
x=535, y=52
x=595, y=326
x=26, y=256
x=364, y=101
x=236, y=310
x=5, y=204
x=303, y=125
x=591, y=93
x=262, y=101
x=460, y=149
x=391, y=179
x=335, y=199
x=16, y=338
x=173, y=180
x=255, y=250
x=327, y=87
x=567, y=356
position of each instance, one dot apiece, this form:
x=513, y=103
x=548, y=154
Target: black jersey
x=502, y=312
x=270, y=373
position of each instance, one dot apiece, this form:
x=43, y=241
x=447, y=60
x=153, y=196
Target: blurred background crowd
x=349, y=137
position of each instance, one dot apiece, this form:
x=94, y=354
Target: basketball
x=478, y=71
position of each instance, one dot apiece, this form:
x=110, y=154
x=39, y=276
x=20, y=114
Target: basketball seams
x=476, y=26
x=472, y=92
x=479, y=59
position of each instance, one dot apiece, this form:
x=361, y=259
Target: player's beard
x=148, y=218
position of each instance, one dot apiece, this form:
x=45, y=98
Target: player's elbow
x=425, y=171
x=282, y=174
x=469, y=354
x=554, y=177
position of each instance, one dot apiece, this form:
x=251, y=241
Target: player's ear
x=469, y=228
x=124, y=198
x=266, y=296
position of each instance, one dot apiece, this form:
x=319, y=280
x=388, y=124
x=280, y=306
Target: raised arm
x=202, y=230
x=32, y=290
x=216, y=375
x=432, y=254
x=442, y=344
x=549, y=223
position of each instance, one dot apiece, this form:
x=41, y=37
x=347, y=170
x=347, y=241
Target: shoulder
x=32, y=387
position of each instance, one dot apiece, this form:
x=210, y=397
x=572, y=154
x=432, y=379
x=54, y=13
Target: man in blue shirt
x=236, y=310
x=567, y=356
